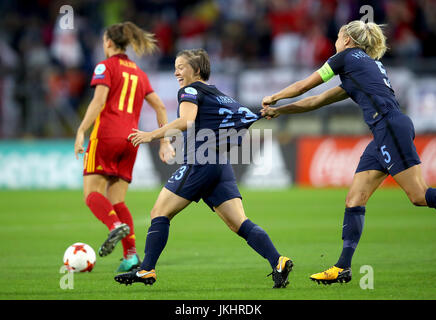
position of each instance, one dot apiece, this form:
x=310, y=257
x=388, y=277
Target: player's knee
x=114, y=200
x=157, y=212
x=89, y=195
x=417, y=199
x=154, y=213
x=85, y=197
x=236, y=225
x=355, y=199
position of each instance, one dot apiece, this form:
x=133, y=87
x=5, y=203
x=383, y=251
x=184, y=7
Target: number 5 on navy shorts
x=214, y=183
x=392, y=149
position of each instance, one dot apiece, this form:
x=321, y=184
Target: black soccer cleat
x=137, y=275
x=332, y=275
x=280, y=273
x=113, y=238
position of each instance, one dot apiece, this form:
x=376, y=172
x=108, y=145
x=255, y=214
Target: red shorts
x=110, y=157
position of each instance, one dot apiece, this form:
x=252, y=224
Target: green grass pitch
x=204, y=260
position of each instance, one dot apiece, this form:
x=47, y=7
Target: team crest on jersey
x=191, y=90
x=100, y=68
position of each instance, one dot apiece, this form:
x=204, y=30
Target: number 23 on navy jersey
x=215, y=109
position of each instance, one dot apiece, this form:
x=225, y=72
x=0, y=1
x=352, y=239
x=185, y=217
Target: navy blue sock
x=259, y=240
x=352, y=228
x=430, y=197
x=157, y=237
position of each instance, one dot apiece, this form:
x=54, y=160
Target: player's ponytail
x=127, y=33
x=367, y=36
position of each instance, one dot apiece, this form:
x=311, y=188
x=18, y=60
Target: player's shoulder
x=104, y=65
x=101, y=67
x=124, y=61
x=110, y=60
x=355, y=54
x=197, y=85
x=348, y=59
x=141, y=72
x=193, y=92
x=349, y=52
x=194, y=88
x=117, y=61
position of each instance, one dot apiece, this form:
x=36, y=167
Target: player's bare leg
x=232, y=213
x=363, y=186
x=94, y=183
x=167, y=205
x=412, y=182
x=117, y=190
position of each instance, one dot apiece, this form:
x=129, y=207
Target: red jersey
x=128, y=87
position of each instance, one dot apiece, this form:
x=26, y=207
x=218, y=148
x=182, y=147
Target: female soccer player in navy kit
x=364, y=79
x=207, y=108
x=120, y=90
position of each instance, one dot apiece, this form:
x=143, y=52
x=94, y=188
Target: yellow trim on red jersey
x=96, y=125
x=90, y=167
x=85, y=160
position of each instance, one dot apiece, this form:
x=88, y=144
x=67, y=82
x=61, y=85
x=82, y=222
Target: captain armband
x=326, y=72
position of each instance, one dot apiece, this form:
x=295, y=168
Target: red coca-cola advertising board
x=332, y=160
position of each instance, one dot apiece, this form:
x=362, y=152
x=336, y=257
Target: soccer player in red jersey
x=120, y=88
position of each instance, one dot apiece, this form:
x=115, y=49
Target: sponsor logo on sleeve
x=191, y=90
x=188, y=96
x=99, y=69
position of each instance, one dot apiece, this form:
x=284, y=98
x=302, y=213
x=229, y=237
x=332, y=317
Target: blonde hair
x=125, y=33
x=367, y=36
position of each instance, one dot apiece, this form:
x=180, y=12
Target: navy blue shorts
x=392, y=150
x=214, y=183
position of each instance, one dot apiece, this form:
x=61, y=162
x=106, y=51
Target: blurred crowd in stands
x=45, y=70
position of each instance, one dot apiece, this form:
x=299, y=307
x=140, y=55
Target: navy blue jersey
x=366, y=82
x=217, y=113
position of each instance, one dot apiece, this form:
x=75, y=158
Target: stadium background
x=256, y=48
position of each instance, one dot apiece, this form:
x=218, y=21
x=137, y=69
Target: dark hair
x=125, y=33
x=199, y=61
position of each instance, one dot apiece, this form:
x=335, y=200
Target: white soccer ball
x=79, y=257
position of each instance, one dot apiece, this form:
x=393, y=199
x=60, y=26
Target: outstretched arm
x=294, y=90
x=307, y=104
x=188, y=113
